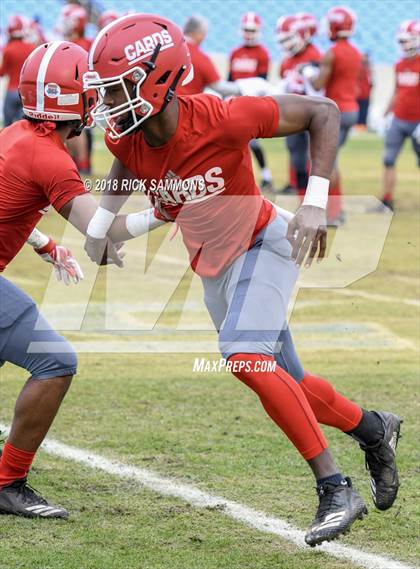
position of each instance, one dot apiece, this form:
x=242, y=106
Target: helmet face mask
x=110, y=119
x=408, y=38
x=291, y=43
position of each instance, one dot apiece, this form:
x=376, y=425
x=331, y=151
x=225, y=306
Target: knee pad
x=388, y=161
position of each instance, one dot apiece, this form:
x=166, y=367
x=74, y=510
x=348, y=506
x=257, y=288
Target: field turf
x=152, y=411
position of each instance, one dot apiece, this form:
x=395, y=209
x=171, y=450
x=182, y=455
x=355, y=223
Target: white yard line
x=195, y=496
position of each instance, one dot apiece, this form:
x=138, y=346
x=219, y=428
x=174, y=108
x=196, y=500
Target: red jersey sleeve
x=208, y=70
x=57, y=175
x=250, y=117
x=121, y=149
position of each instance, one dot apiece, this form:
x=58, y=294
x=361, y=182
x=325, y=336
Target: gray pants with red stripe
x=248, y=302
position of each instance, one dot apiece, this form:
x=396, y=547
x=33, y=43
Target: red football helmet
x=73, y=19
x=106, y=18
x=51, y=84
x=309, y=23
x=291, y=34
x=408, y=36
x=341, y=22
x=16, y=26
x=147, y=56
x=251, y=24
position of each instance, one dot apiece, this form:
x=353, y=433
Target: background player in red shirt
x=243, y=251
x=364, y=88
x=294, y=38
x=72, y=24
x=405, y=106
x=14, y=54
x=251, y=59
x=339, y=73
x=205, y=74
x=35, y=171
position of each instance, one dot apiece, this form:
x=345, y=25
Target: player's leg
x=394, y=140
x=298, y=146
x=376, y=432
x=335, y=214
x=257, y=288
x=266, y=177
x=415, y=140
x=51, y=362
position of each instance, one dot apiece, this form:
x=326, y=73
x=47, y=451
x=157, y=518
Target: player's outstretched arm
x=81, y=210
x=320, y=116
x=325, y=69
x=66, y=267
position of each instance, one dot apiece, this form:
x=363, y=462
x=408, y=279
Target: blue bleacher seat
x=377, y=19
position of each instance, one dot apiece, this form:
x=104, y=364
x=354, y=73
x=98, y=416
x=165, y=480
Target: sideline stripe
x=201, y=499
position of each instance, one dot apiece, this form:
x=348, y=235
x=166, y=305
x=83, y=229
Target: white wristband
x=142, y=222
x=317, y=192
x=100, y=223
x=37, y=239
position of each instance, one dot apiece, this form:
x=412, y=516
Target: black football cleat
x=19, y=499
x=339, y=506
x=381, y=464
x=266, y=186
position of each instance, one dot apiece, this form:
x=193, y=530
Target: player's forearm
x=37, y=239
x=324, y=127
x=226, y=88
x=125, y=227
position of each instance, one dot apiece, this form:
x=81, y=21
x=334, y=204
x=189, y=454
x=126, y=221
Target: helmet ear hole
x=163, y=78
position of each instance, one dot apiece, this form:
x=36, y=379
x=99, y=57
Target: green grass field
x=152, y=411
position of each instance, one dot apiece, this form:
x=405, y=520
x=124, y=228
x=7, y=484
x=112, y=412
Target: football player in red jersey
x=72, y=23
x=405, y=106
x=35, y=171
x=251, y=59
x=244, y=252
x=205, y=74
x=294, y=38
x=339, y=74
x=14, y=54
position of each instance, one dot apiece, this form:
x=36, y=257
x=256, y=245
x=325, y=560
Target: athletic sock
x=336, y=479
x=330, y=407
x=370, y=429
x=266, y=174
x=283, y=400
x=387, y=197
x=14, y=464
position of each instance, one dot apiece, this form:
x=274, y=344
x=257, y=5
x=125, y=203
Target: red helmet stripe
x=42, y=71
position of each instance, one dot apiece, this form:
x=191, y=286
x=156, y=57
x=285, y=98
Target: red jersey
x=248, y=61
x=407, y=101
x=203, y=175
x=342, y=86
x=310, y=54
x=365, y=82
x=35, y=171
x=205, y=73
x=14, y=54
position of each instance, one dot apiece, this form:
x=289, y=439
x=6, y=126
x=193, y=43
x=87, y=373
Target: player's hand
x=307, y=233
x=66, y=268
x=103, y=251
